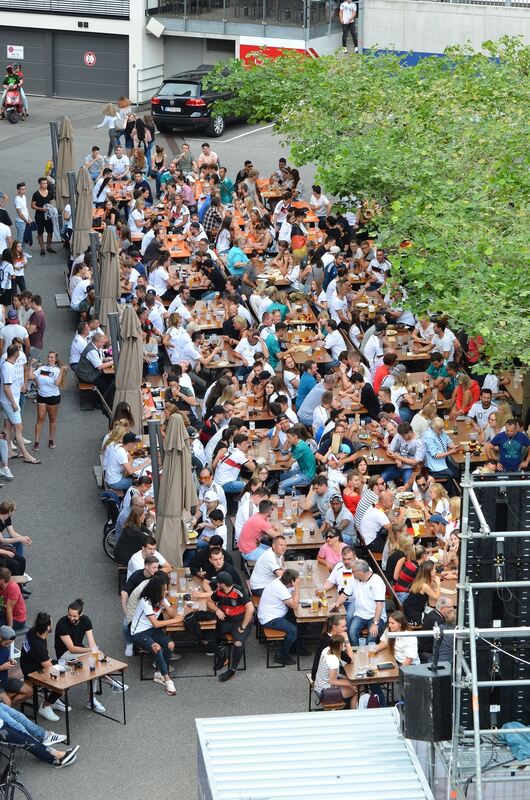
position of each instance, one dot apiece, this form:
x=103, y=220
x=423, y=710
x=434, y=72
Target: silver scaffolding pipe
x=497, y=535
x=476, y=505
x=475, y=703
x=496, y=584
x=484, y=684
x=463, y=633
x=498, y=484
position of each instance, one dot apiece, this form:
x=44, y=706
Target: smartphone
x=386, y=665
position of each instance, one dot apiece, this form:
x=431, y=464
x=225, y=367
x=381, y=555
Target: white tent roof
x=345, y=755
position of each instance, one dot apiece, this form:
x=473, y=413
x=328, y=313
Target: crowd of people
x=267, y=428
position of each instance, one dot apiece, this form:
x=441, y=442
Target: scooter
x=13, y=108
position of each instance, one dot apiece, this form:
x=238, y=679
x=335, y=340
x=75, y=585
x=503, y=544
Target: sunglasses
x=331, y=536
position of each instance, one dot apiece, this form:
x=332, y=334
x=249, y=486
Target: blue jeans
x=402, y=596
x=20, y=227
x=147, y=638
x=350, y=612
x=123, y=484
x=34, y=747
x=209, y=296
x=393, y=472
x=283, y=624
x=233, y=487
x=127, y=631
x=255, y=554
x=356, y=626
x=292, y=478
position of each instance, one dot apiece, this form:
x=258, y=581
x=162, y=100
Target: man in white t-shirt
x=119, y=164
x=347, y=14
x=10, y=402
x=80, y=292
x=334, y=343
x=374, y=352
x=444, y=341
x=6, y=240
x=269, y=566
x=228, y=469
x=22, y=217
x=480, y=411
x=341, y=577
x=276, y=610
x=319, y=203
x=12, y=330
x=375, y=524
x=137, y=560
x=368, y=595
x=247, y=508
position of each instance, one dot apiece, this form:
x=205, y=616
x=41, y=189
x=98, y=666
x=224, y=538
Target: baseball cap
x=192, y=433
x=334, y=250
x=225, y=577
x=399, y=369
x=7, y=633
x=12, y=314
x=210, y=496
x=131, y=437
x=281, y=417
x=438, y=518
x=335, y=497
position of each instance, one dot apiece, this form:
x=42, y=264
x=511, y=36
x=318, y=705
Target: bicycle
x=10, y=787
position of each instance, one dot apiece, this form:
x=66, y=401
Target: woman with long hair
x=50, y=379
x=122, y=412
x=400, y=548
x=132, y=536
x=138, y=162
x=153, y=613
x=112, y=121
x=291, y=376
x=404, y=649
x=439, y=502
x=466, y=393
x=158, y=165
x=214, y=394
x=20, y=263
x=424, y=590
x=136, y=219
x=280, y=389
x=361, y=465
x=328, y=671
x=111, y=212
x=101, y=188
x=225, y=236
x=283, y=261
x=409, y=570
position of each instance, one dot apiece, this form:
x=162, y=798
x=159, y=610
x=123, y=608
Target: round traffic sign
x=89, y=58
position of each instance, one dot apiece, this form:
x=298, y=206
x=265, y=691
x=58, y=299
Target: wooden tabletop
x=311, y=581
x=69, y=679
x=300, y=529
x=381, y=676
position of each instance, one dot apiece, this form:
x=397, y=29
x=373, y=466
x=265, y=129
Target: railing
x=320, y=16
x=78, y=8
x=510, y=3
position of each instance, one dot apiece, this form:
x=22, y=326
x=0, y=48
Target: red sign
x=89, y=58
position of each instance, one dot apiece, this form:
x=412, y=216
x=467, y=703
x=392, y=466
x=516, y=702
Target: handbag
x=331, y=696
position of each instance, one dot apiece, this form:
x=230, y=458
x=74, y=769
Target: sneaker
x=170, y=688
x=26, y=441
x=53, y=738
x=50, y=250
x=344, y=49
x=43, y=252
x=36, y=446
x=68, y=758
x=157, y=678
x=115, y=684
x=226, y=675
x=129, y=651
x=52, y=445
x=285, y=660
x=356, y=50
x=60, y=706
x=13, y=447
x=48, y=713
x=175, y=656
x=95, y=705
x=6, y=473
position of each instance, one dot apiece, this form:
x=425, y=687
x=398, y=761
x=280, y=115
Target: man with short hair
x=79, y=343
x=347, y=14
x=375, y=524
x=13, y=691
x=439, y=450
x=199, y=563
x=480, y=411
x=10, y=402
x=23, y=216
x=276, y=608
x=257, y=526
x=511, y=446
x=36, y=326
x=317, y=500
x=119, y=164
x=313, y=399
x=341, y=577
x=408, y=453
x=270, y=565
x=94, y=162
x=438, y=616
x=229, y=466
x=139, y=576
x=11, y=330
x=137, y=560
x=301, y=464
x=369, y=495
x=368, y=594
x=234, y=611
x=338, y=516
x=207, y=158
x=248, y=508
x=92, y=365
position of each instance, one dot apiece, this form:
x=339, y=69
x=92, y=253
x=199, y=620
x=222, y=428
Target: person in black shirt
x=234, y=610
x=214, y=275
x=215, y=565
x=200, y=559
x=368, y=397
x=436, y=617
x=132, y=536
x=70, y=633
x=335, y=626
x=150, y=568
x=40, y=198
x=34, y=657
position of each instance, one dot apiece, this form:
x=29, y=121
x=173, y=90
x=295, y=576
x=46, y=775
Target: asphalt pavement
x=58, y=506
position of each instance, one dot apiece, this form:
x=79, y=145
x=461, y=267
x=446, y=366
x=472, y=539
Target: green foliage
x=442, y=147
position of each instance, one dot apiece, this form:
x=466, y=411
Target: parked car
x=183, y=102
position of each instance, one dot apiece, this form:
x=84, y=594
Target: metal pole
x=484, y=527
x=72, y=188
x=114, y=335
x=360, y=27
x=500, y=534
x=499, y=484
x=54, y=133
x=94, y=243
x=475, y=704
x=496, y=584
x=481, y=684
x=153, y=429
x=463, y=633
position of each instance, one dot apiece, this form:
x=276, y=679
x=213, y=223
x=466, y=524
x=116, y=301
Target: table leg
x=67, y=716
x=298, y=634
x=123, y=695
x=35, y=701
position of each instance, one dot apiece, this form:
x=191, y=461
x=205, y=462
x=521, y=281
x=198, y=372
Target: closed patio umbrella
x=65, y=162
x=110, y=276
x=177, y=492
x=129, y=372
x=83, y=217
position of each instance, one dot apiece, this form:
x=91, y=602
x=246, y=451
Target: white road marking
x=233, y=138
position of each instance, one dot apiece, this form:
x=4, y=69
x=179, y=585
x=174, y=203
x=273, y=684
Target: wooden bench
x=86, y=390
x=272, y=638
x=323, y=706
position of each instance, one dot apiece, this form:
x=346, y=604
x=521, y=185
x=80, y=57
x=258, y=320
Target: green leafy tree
x=440, y=149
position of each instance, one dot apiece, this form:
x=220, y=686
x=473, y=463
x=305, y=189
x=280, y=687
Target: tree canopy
x=440, y=150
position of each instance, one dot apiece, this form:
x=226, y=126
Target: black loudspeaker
x=426, y=714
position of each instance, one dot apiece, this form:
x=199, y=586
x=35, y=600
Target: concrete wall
x=429, y=27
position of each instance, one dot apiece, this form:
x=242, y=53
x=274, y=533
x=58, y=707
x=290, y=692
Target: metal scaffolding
x=466, y=675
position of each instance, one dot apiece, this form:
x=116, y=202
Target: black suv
x=182, y=102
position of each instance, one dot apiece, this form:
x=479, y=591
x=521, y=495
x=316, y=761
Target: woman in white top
x=439, y=500
x=328, y=677
x=174, y=338
x=20, y=262
x=153, y=613
x=112, y=121
x=136, y=219
x=50, y=379
x=291, y=376
x=160, y=279
x=422, y=420
x=404, y=649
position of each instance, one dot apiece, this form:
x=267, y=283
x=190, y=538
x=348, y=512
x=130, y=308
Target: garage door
x=34, y=64
x=54, y=64
x=106, y=80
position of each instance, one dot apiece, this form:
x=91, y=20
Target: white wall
x=428, y=27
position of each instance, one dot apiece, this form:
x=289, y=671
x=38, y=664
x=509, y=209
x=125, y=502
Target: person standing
x=347, y=15
x=36, y=326
x=49, y=379
x=10, y=403
x=22, y=217
x=41, y=198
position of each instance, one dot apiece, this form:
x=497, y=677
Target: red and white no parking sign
x=89, y=58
